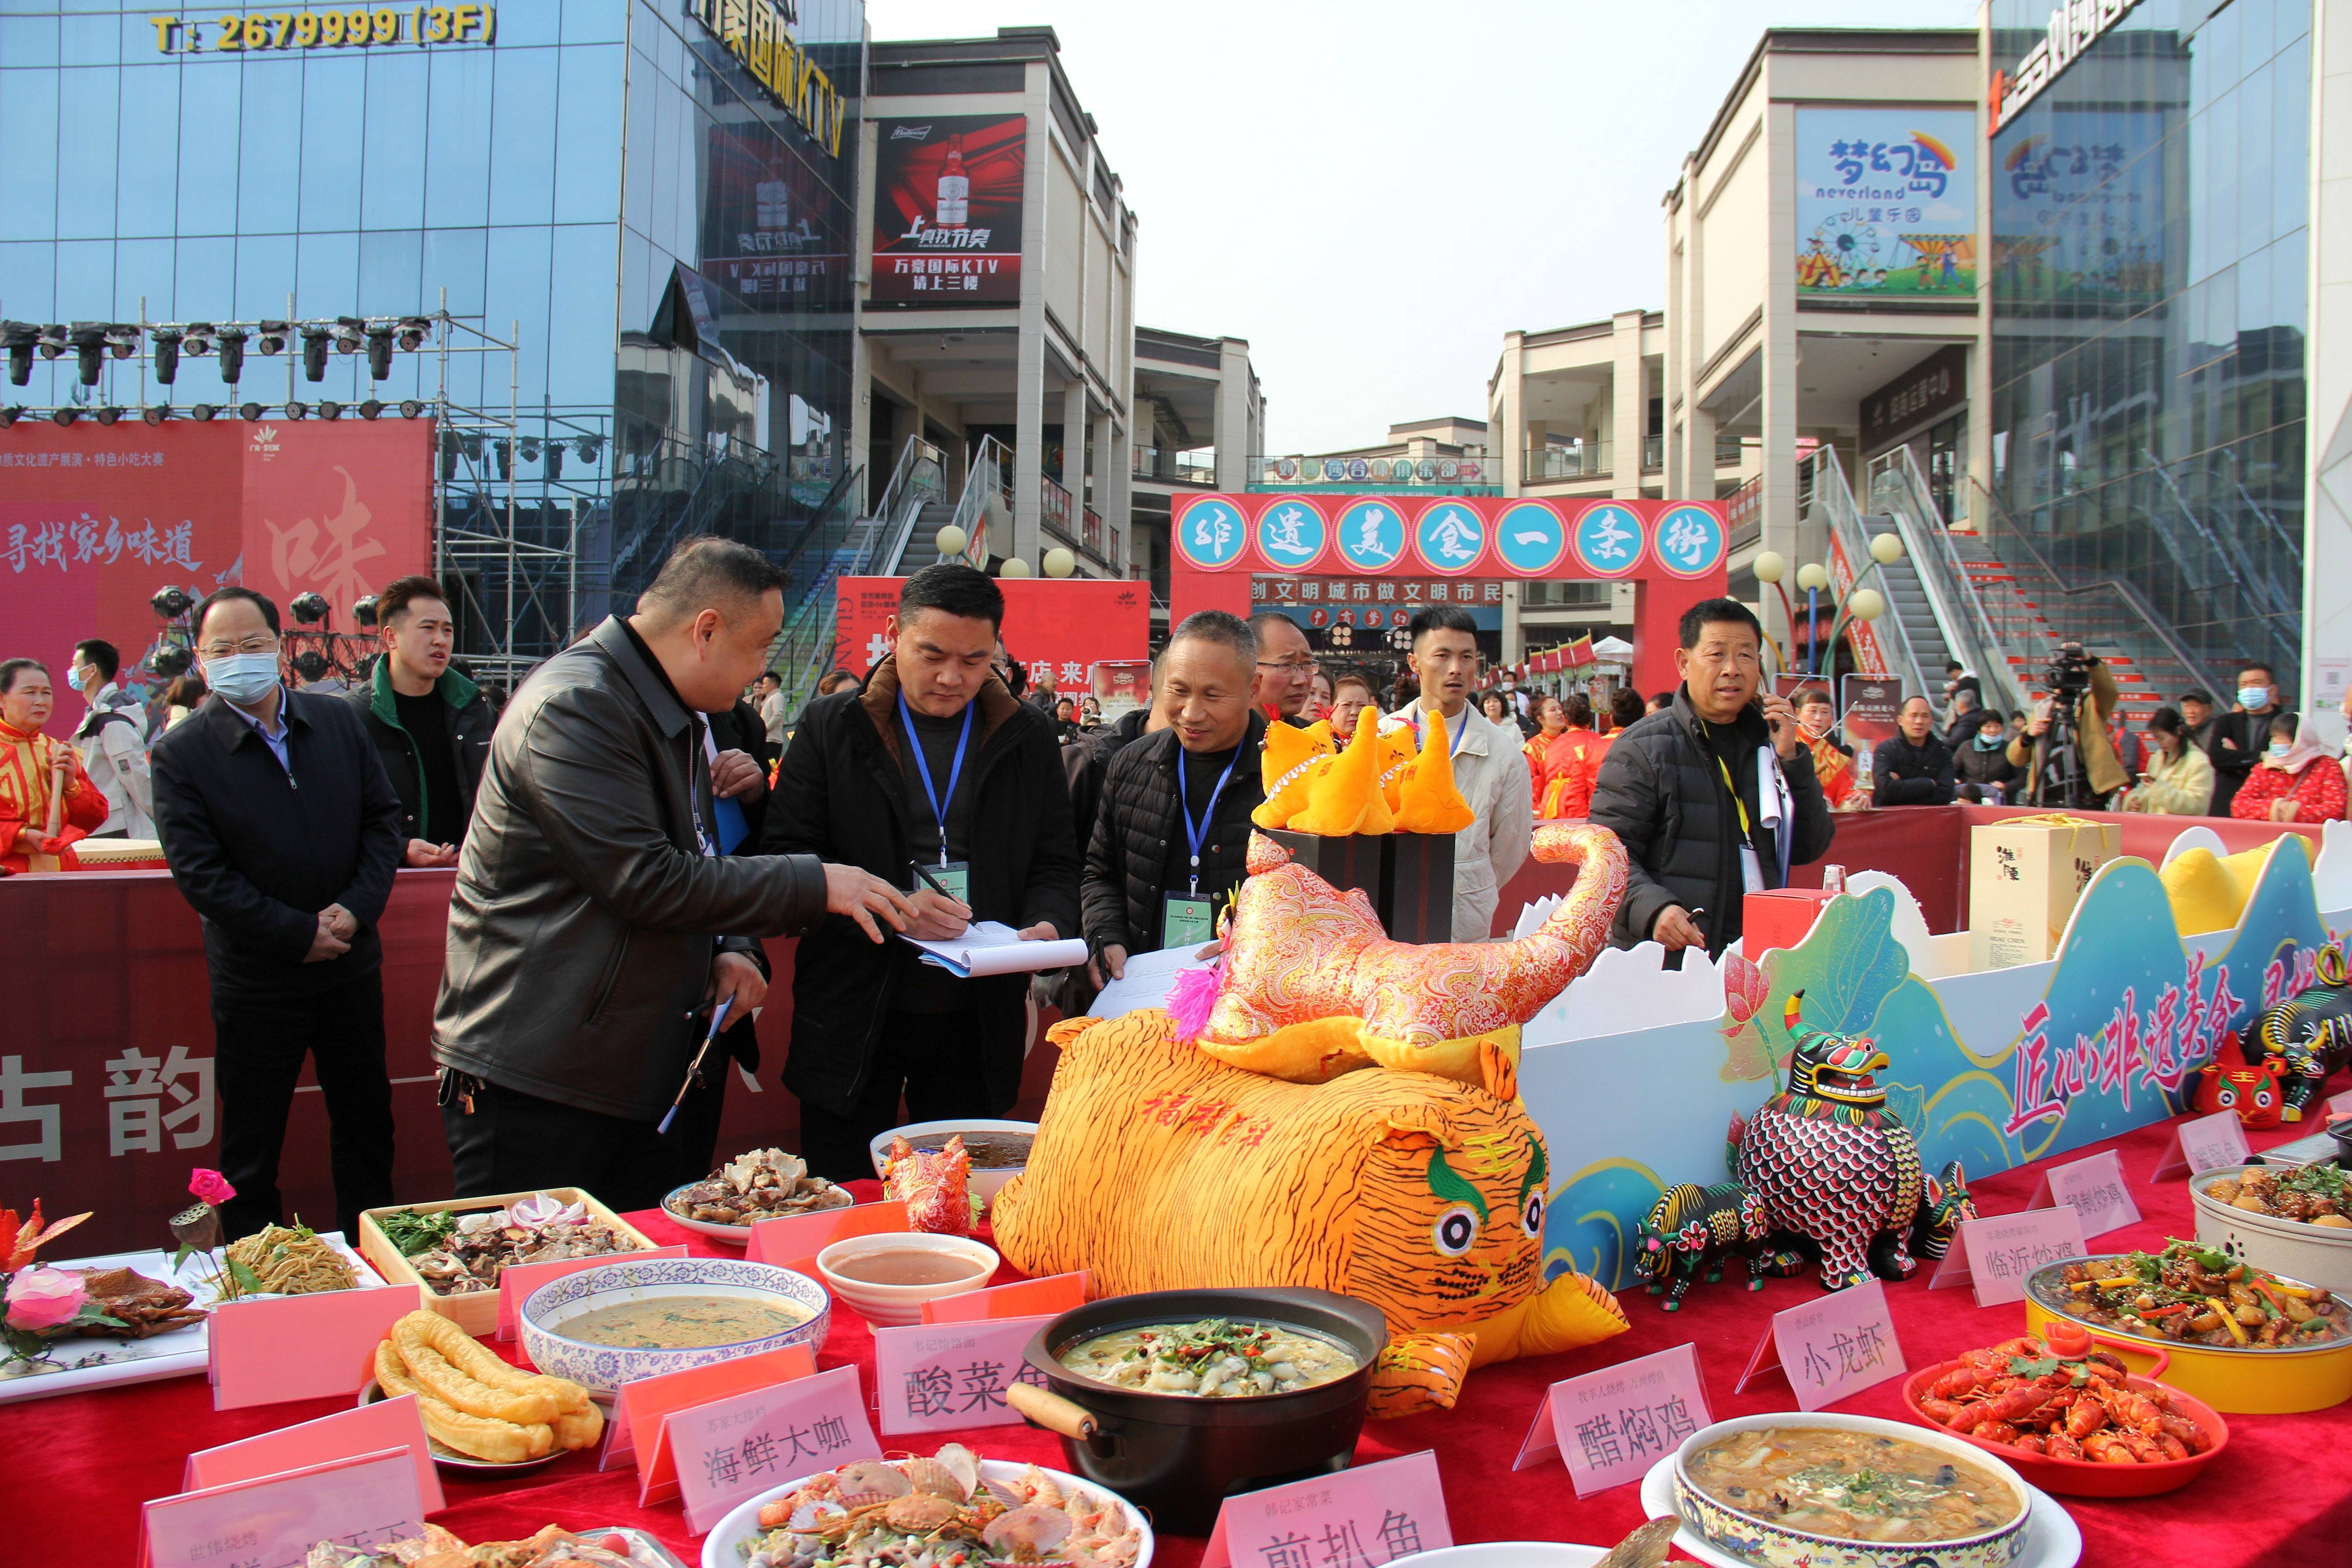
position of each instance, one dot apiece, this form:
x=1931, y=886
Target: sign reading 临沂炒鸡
x=759, y=34
x=364, y=27
x=1886, y=203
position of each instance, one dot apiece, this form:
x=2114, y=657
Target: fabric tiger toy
x=1160, y=1168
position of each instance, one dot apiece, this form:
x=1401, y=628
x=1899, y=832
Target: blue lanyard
x=1195, y=834
x=923, y=767
x=1452, y=736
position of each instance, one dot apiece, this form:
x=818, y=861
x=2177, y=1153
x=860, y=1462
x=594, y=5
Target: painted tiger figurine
x=1692, y=1227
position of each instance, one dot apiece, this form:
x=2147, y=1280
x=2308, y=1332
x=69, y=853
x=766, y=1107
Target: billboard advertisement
x=1886, y=204
x=2078, y=208
x=1057, y=629
x=947, y=210
x=774, y=234
x=94, y=521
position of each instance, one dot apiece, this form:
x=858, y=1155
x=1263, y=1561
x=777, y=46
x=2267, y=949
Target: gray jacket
x=581, y=930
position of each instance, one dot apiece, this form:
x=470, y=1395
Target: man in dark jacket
x=282, y=828
x=1172, y=837
x=934, y=762
x=432, y=725
x=1914, y=767
x=595, y=917
x=2242, y=735
x=1714, y=795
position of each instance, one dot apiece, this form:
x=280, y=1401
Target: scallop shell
x=963, y=1462
x=935, y=1477
x=1031, y=1528
x=870, y=1481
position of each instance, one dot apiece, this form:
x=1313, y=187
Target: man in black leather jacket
x=594, y=918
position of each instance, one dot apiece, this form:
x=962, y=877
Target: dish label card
x=2206, y=1143
x=329, y=1439
x=935, y=1377
x=640, y=1405
x=735, y=1449
x=2094, y=1189
x=1997, y=1254
x=301, y=1347
x=1610, y=1426
x=2337, y=1105
x=517, y=1280
x=364, y=1502
x=1364, y=1517
x=1838, y=1345
x=1049, y=1296
x=792, y=1240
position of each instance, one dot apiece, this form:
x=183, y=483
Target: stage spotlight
x=231, y=354
x=308, y=609
x=107, y=416
x=88, y=340
x=505, y=450
x=310, y=665
x=530, y=450
x=203, y=412
x=167, y=354
x=10, y=415
x=19, y=338
x=410, y=408
x=591, y=450
x=414, y=332
x=155, y=415
x=378, y=348
x=53, y=341
x=298, y=410
x=314, y=353
x=171, y=661
x=249, y=412
x=199, y=339
x=65, y=417
x=330, y=409
x=122, y=340
x=273, y=337
x=370, y=409
x=171, y=602
x=364, y=611
x=350, y=332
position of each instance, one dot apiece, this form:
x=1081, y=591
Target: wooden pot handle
x=1052, y=1412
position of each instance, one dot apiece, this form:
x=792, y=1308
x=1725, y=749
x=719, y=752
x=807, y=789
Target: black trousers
x=933, y=1059
x=517, y=1142
x=706, y=1102
x=258, y=1044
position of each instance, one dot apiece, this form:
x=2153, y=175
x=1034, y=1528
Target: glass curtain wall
x=2150, y=226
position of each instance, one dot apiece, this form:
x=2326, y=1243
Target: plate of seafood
x=880, y=1514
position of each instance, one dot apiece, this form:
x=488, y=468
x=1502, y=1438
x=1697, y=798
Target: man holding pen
x=932, y=764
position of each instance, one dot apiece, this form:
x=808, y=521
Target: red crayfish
x=2080, y=1408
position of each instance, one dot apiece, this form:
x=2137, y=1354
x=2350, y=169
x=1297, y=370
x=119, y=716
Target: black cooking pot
x=1179, y=1457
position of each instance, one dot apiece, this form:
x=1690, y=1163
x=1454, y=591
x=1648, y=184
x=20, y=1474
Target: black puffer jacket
x=1128, y=854
x=1903, y=775
x=1660, y=792
x=1087, y=764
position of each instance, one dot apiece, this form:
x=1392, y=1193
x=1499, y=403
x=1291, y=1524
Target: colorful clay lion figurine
x=1159, y=1168
x=1310, y=986
x=1832, y=1163
x=2311, y=1032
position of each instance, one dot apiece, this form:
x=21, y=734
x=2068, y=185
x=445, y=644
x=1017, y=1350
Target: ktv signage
x=2074, y=25
x=759, y=34
x=947, y=210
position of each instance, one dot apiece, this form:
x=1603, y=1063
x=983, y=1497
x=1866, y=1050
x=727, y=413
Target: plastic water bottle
x=1833, y=878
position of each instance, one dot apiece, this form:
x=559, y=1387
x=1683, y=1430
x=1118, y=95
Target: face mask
x=1989, y=742
x=2253, y=696
x=2279, y=749
x=243, y=679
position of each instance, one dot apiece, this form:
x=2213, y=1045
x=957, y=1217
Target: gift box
x=2025, y=876
x=1779, y=917
x=1409, y=876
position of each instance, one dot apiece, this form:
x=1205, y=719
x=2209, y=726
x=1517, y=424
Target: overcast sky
x=1372, y=194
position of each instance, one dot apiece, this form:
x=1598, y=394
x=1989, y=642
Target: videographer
x=2065, y=753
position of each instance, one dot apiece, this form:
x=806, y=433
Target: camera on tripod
x=2069, y=674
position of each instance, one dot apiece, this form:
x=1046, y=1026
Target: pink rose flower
x=211, y=1186
x=41, y=1298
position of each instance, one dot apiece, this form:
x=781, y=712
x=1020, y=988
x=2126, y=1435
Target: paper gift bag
x=2025, y=876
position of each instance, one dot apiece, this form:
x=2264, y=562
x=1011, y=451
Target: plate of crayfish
x=2069, y=1416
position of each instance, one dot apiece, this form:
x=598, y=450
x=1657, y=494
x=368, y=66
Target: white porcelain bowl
x=724, y=1546
x=932, y=1134
x=603, y=1368
x=896, y=1306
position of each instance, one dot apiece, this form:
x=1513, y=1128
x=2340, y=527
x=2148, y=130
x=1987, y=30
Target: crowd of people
x=647, y=808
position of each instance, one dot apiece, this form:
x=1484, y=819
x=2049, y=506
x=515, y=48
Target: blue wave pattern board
x=1992, y=1069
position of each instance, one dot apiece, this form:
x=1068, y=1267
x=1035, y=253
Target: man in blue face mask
x=281, y=827
x=2240, y=735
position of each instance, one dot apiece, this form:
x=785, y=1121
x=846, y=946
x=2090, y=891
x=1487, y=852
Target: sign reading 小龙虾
x=368, y=27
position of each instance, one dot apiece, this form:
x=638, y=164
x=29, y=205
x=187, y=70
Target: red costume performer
x=27, y=763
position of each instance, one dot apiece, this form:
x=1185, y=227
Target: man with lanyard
x=1714, y=797
x=1171, y=838
x=935, y=777
x=1489, y=769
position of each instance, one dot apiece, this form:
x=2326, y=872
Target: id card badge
x=1751, y=869
x=956, y=878
x=1187, y=919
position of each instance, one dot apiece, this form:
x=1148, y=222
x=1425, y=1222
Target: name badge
x=1751, y=870
x=956, y=878
x=1187, y=919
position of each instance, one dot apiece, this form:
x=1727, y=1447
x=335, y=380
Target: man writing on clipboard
x=934, y=777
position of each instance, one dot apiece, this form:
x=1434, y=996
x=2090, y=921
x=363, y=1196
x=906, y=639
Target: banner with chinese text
x=1055, y=627
x=1886, y=204
x=947, y=210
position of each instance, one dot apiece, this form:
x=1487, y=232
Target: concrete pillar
x=1629, y=409
x=1503, y=418
x=1697, y=478
x=1780, y=524
x=1029, y=369
x=1074, y=442
x=1235, y=434
x=1115, y=484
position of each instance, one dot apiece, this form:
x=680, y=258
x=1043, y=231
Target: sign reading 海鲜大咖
x=364, y=27
x=759, y=34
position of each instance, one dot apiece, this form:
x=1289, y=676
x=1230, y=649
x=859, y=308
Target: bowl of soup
x=617, y=1322
x=998, y=1149
x=1795, y=1490
x=886, y=1279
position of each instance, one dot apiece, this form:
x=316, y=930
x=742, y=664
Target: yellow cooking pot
x=2235, y=1382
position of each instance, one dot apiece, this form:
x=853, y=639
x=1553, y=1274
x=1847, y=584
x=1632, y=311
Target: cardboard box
x=2025, y=876
x=1779, y=916
x=476, y=1312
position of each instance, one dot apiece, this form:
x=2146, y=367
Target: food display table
x=2280, y=1494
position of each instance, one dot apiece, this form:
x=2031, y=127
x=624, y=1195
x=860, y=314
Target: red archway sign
x=1672, y=550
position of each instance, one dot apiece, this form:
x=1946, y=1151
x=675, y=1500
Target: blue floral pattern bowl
x=603, y=1368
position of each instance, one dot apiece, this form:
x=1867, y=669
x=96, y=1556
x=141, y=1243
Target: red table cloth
x=2282, y=1494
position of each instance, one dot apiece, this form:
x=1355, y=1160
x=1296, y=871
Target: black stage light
x=555, y=460
x=410, y=408
x=413, y=331
x=19, y=338
x=199, y=339
x=298, y=410
x=53, y=341
x=107, y=416
x=308, y=609
x=364, y=610
x=231, y=354
x=591, y=450
x=349, y=333
x=506, y=458
x=530, y=450
x=122, y=340
x=310, y=665
x=314, y=351
x=171, y=602
x=88, y=340
x=65, y=417
x=171, y=661
x=203, y=412
x=273, y=337
x=10, y=415
x=167, y=354
x=330, y=409
x=370, y=408
x=378, y=348
x=155, y=415
x=249, y=412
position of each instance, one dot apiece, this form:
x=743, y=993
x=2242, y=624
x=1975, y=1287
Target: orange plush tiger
x=1159, y=1168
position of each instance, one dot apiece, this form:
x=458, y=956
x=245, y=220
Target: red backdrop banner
x=94, y=520
x=1061, y=624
